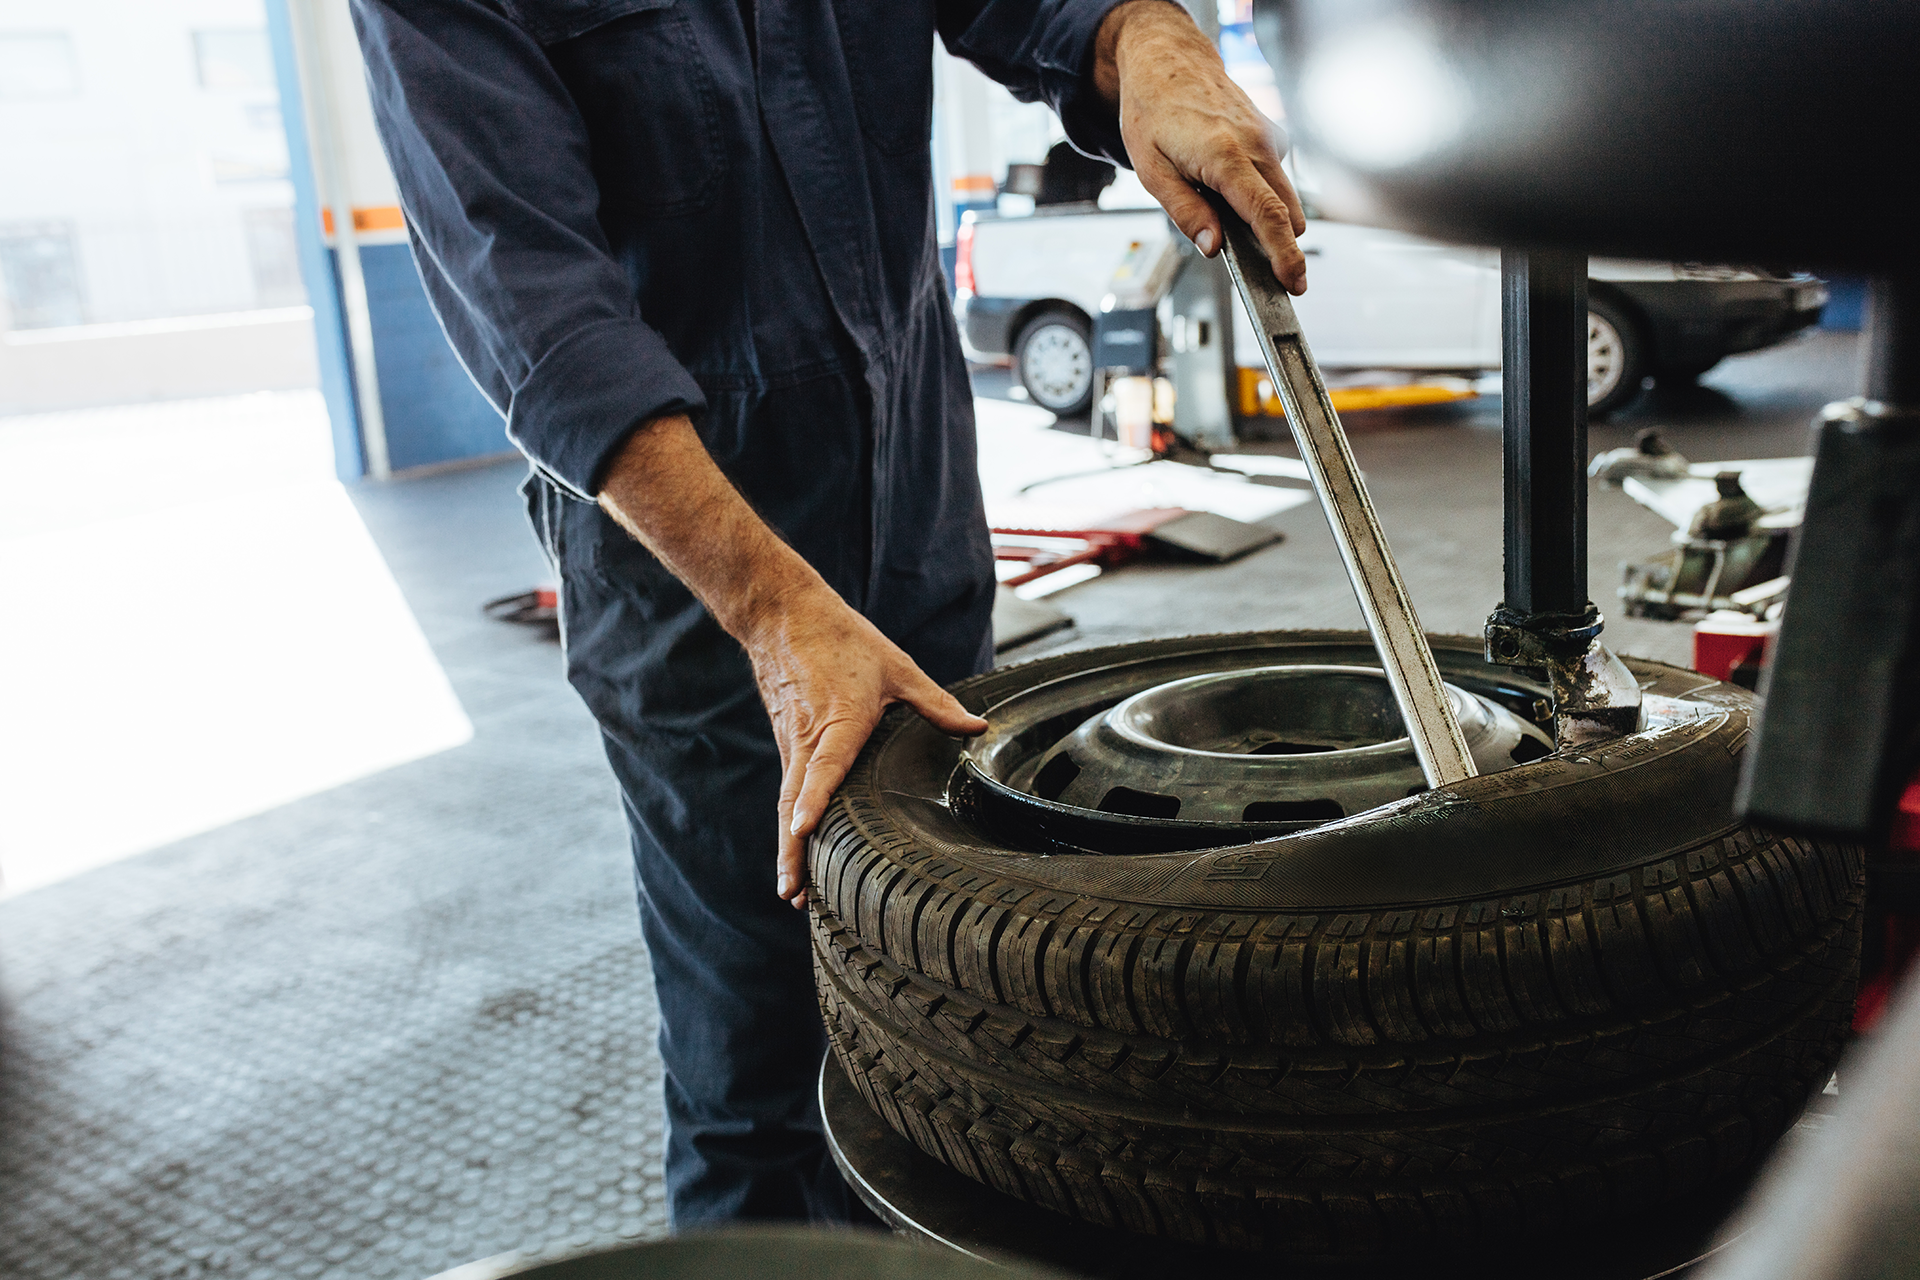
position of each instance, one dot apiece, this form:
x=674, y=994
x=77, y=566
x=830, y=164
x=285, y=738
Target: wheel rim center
x=1267, y=744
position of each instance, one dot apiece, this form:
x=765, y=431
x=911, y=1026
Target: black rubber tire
x=1681, y=377
x=1633, y=354
x=1072, y=321
x=1526, y=1004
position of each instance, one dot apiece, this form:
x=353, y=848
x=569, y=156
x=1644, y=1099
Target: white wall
x=980, y=129
x=186, y=357
x=153, y=172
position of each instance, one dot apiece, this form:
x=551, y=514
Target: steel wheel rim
x=1056, y=365
x=1000, y=788
x=1606, y=358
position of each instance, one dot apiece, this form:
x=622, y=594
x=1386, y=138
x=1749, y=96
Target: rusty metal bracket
x=1594, y=695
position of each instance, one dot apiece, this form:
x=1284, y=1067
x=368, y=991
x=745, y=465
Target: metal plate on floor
x=1206, y=536
x=762, y=1252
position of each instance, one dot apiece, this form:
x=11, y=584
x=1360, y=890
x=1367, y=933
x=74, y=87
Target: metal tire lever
x=1404, y=654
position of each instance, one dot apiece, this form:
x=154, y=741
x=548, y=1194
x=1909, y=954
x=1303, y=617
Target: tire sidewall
x=1565, y=818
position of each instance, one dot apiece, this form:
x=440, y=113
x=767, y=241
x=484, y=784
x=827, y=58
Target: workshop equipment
x=1258, y=399
x=1376, y=581
x=539, y=608
x=1892, y=926
x=1128, y=392
x=1199, y=535
x=1651, y=457
x=1652, y=139
x=1546, y=622
x=1841, y=735
x=1726, y=559
x=1734, y=525
x=928, y=1202
x=1662, y=132
x=1732, y=646
x=762, y=1251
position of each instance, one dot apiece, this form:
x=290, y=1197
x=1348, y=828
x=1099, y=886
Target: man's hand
x=1187, y=124
x=825, y=672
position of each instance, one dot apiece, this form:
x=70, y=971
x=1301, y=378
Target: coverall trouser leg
x=740, y=1030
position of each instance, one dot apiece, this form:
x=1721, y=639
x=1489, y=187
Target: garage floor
x=407, y=1022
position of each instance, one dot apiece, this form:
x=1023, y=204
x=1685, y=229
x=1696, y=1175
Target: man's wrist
x=665, y=490
x=772, y=596
x=1127, y=23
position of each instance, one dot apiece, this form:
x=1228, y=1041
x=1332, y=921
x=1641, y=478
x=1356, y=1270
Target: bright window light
x=37, y=64
x=200, y=628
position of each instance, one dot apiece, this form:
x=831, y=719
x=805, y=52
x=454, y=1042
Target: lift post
x=1546, y=623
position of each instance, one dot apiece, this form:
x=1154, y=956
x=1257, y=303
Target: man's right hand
x=825, y=673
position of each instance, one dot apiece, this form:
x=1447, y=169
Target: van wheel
x=1054, y=358
x=1616, y=357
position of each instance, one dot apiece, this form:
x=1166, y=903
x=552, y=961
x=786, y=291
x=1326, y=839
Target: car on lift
x=1028, y=286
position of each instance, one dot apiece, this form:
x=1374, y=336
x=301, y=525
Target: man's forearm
x=824, y=672
x=666, y=490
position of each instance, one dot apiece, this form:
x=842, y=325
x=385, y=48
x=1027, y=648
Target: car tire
x=1616, y=356
x=1053, y=358
x=1680, y=377
x=1528, y=1006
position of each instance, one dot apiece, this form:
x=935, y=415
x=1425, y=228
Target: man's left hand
x=1187, y=124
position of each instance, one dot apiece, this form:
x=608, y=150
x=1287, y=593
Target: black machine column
x=1839, y=732
x=1547, y=623
x=1544, y=413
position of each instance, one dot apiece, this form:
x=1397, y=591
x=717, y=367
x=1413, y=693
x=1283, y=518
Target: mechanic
x=686, y=247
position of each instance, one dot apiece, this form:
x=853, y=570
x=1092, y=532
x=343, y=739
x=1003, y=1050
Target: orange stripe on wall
x=379, y=217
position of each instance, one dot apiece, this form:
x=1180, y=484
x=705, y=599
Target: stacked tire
x=1522, y=1005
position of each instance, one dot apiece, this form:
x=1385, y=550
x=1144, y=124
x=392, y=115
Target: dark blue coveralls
x=624, y=208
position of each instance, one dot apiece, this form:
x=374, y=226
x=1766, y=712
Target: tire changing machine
x=1546, y=625
x=1680, y=158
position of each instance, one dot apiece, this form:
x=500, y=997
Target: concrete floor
x=407, y=1022
x=380, y=1031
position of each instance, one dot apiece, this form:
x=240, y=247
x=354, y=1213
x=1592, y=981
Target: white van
x=1028, y=286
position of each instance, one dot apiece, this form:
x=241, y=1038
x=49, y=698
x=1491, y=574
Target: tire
x=1682, y=376
x=1531, y=1003
x=1053, y=357
x=1616, y=356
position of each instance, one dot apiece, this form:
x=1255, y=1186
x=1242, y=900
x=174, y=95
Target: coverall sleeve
x=1042, y=52
x=491, y=157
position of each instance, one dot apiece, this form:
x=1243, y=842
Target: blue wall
x=434, y=413
x=1846, y=303
x=316, y=263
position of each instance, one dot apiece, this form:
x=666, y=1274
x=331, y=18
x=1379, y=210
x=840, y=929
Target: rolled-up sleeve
x=492, y=161
x=1043, y=53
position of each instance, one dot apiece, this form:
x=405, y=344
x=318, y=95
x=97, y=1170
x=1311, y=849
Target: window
x=40, y=279
x=275, y=258
x=37, y=64
x=231, y=169
x=235, y=59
